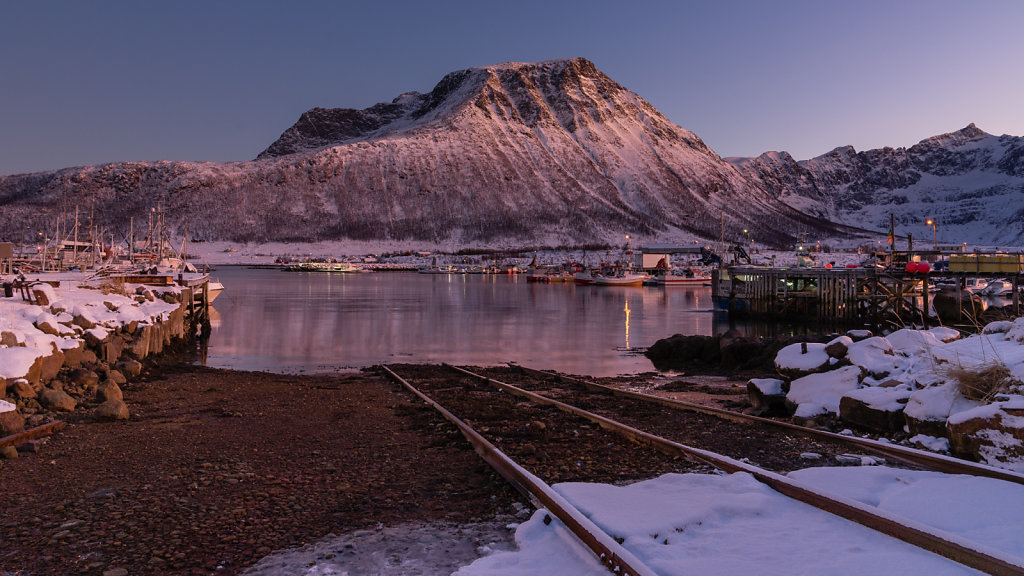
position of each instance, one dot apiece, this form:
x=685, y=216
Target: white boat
x=996, y=287
x=620, y=278
x=213, y=289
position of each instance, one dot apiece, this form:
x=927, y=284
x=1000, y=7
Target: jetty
x=904, y=292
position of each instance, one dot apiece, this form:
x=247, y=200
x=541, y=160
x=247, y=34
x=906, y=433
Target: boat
x=619, y=278
x=997, y=287
x=681, y=278
x=584, y=277
x=213, y=289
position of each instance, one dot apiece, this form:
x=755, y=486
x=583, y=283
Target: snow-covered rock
x=875, y=408
x=992, y=433
x=822, y=392
x=802, y=358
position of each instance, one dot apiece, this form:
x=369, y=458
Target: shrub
x=982, y=384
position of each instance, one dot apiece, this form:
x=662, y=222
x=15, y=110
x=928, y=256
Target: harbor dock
x=862, y=296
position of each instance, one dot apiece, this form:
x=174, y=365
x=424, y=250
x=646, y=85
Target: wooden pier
x=852, y=296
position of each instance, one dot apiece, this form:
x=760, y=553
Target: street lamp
x=935, y=234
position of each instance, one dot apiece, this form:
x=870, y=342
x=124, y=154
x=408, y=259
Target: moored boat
x=681, y=278
x=620, y=278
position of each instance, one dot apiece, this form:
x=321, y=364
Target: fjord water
x=279, y=321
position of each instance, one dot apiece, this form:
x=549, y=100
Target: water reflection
x=293, y=321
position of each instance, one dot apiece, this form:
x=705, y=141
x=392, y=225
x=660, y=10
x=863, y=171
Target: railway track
x=556, y=384
x=533, y=440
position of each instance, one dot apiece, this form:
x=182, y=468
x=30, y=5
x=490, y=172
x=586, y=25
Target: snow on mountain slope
x=512, y=154
x=970, y=183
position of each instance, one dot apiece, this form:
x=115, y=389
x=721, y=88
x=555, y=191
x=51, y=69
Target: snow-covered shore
x=78, y=323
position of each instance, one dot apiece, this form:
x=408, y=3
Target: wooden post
x=924, y=302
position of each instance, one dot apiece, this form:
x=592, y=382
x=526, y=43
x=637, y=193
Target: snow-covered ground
x=703, y=524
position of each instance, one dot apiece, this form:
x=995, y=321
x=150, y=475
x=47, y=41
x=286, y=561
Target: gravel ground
x=217, y=469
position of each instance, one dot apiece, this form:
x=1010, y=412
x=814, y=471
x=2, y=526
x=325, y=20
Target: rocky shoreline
x=71, y=351
x=216, y=469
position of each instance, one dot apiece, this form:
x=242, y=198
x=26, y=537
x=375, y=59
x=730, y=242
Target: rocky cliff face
x=554, y=152
x=969, y=182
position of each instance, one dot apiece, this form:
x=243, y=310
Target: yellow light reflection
x=627, y=323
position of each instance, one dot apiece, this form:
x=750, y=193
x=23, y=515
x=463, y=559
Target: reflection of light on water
x=215, y=318
x=627, y=323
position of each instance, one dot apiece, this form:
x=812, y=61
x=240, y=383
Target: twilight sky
x=93, y=82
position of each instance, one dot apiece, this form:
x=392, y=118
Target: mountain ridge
x=553, y=153
x=965, y=181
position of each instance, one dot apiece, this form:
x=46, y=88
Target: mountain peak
x=969, y=133
x=529, y=87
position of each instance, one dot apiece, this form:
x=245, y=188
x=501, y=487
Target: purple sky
x=92, y=82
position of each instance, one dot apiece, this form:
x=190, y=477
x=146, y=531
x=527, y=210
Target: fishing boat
x=583, y=277
x=619, y=278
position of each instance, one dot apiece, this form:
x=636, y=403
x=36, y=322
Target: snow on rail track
x=492, y=410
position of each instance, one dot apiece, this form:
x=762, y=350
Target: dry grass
x=982, y=384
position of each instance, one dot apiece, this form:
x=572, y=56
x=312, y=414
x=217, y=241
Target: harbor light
x=935, y=234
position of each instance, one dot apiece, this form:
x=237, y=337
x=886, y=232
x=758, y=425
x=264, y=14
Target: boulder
x=129, y=368
x=83, y=322
x=41, y=297
x=767, y=396
x=22, y=389
x=48, y=326
x=992, y=433
x=836, y=349
x=8, y=339
x=111, y=410
x=57, y=400
x=858, y=335
x=112, y=348
x=108, y=390
x=51, y=365
x=928, y=409
x=84, y=378
x=73, y=356
x=11, y=421
x=116, y=376
x=822, y=392
x=802, y=358
x=875, y=408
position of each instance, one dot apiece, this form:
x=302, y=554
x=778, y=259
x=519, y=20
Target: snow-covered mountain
x=512, y=154
x=970, y=183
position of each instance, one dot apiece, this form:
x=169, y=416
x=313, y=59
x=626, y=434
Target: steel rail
x=925, y=537
x=938, y=462
x=32, y=433
x=610, y=553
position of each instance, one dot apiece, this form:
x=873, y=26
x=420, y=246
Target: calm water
x=320, y=322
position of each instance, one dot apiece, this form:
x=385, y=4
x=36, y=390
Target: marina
x=900, y=294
